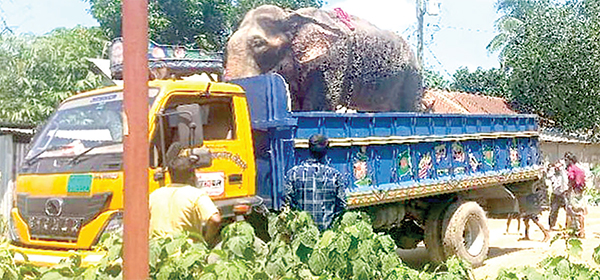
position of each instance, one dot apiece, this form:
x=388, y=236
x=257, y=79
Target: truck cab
x=69, y=191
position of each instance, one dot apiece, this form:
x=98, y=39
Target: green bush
x=297, y=250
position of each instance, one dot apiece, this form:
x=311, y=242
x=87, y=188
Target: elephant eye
x=258, y=43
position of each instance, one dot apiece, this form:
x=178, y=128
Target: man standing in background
x=559, y=182
x=316, y=187
x=576, y=206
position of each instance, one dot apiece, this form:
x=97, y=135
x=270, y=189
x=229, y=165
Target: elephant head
x=315, y=51
x=269, y=35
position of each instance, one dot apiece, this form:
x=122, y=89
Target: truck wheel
x=433, y=234
x=465, y=232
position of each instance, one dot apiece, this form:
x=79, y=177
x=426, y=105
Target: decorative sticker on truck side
x=404, y=165
x=473, y=162
x=488, y=156
x=360, y=169
x=441, y=154
x=514, y=156
x=458, y=154
x=425, y=165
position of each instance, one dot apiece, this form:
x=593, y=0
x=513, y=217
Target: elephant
x=330, y=60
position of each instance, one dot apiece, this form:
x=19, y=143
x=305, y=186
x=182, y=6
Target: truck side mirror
x=203, y=157
x=189, y=124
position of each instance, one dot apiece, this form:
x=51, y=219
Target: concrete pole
x=136, y=151
x=420, y=18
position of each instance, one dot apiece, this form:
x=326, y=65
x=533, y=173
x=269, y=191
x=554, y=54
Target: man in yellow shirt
x=180, y=206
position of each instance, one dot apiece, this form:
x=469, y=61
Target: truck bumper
x=49, y=257
x=228, y=207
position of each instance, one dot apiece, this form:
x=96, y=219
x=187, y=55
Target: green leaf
x=52, y=275
x=114, y=252
x=90, y=273
x=575, y=247
x=317, y=262
x=342, y=243
x=174, y=246
x=261, y=276
x=165, y=271
x=276, y=268
x=208, y=276
x=326, y=239
x=596, y=255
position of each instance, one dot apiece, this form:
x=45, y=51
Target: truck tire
x=433, y=234
x=465, y=232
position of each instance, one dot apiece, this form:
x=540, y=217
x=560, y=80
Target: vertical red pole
x=136, y=155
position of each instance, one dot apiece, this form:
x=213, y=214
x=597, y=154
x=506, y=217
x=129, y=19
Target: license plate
x=49, y=226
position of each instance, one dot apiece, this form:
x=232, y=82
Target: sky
x=456, y=37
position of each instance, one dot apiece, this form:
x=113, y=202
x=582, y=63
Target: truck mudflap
x=240, y=206
x=48, y=257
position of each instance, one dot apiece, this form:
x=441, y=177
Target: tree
x=433, y=79
x=554, y=61
x=37, y=73
x=204, y=24
x=491, y=82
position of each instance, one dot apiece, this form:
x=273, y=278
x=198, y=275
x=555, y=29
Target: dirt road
x=506, y=250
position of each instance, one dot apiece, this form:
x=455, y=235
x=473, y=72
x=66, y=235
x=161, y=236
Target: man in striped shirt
x=315, y=187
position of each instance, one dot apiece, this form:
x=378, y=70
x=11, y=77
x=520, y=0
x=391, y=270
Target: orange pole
x=136, y=155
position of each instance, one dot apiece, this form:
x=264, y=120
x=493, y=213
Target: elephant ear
x=315, y=31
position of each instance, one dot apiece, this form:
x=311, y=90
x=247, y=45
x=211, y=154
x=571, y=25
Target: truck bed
x=390, y=157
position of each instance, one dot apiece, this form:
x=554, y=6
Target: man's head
x=181, y=169
x=317, y=145
x=570, y=158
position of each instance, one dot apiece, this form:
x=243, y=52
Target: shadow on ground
x=418, y=258
x=497, y=252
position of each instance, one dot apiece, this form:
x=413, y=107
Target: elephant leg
x=315, y=93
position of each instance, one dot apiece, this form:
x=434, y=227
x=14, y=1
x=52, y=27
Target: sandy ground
x=506, y=250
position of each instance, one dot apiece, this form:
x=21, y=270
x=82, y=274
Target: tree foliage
x=199, y=23
x=37, y=72
x=551, y=51
x=435, y=80
x=491, y=82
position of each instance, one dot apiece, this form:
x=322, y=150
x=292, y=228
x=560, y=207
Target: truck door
x=231, y=173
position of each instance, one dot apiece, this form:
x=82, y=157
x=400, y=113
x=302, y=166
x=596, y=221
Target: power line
x=438, y=61
x=461, y=28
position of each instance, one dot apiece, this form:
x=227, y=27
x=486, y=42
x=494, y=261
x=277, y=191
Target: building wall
x=12, y=153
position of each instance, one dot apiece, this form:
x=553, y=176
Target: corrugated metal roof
x=466, y=103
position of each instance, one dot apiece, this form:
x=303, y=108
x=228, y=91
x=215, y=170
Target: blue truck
x=421, y=177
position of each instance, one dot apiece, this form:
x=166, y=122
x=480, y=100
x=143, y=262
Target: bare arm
x=213, y=227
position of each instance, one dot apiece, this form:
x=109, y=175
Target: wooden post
x=136, y=151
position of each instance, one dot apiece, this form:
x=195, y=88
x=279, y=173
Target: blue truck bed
x=389, y=157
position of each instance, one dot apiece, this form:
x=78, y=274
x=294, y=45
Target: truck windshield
x=81, y=124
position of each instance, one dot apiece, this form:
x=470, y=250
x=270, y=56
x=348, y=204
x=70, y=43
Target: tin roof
x=456, y=102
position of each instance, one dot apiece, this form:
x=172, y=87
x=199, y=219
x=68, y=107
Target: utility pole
x=420, y=18
x=135, y=148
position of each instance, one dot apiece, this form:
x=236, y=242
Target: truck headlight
x=114, y=225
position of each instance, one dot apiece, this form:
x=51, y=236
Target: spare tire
x=465, y=232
